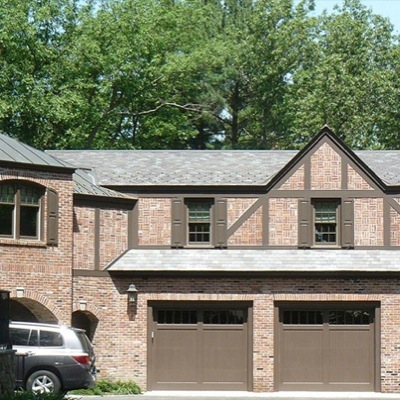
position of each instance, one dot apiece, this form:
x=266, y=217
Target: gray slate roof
x=202, y=167
x=213, y=260
x=11, y=150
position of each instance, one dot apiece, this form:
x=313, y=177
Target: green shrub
x=106, y=387
x=33, y=396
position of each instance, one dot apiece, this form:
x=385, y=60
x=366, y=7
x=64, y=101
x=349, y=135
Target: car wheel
x=43, y=382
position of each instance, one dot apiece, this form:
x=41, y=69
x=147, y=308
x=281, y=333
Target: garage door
x=330, y=348
x=199, y=347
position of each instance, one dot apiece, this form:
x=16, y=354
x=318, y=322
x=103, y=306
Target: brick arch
x=30, y=295
x=92, y=309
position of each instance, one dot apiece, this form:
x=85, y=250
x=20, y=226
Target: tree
x=347, y=80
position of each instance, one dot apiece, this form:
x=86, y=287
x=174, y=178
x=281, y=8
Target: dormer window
x=325, y=223
x=20, y=211
x=199, y=221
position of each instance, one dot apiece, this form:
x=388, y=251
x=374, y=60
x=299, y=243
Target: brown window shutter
x=305, y=223
x=52, y=217
x=347, y=223
x=220, y=222
x=178, y=223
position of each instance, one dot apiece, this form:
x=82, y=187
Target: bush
x=106, y=387
x=33, y=396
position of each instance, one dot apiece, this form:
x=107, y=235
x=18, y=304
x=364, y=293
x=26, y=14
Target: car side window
x=50, y=339
x=24, y=337
x=20, y=337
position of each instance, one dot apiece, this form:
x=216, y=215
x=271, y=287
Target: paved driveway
x=250, y=396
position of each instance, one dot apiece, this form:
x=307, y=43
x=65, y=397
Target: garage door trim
x=280, y=306
x=159, y=304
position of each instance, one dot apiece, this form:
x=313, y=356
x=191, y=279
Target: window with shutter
x=20, y=210
x=198, y=222
x=326, y=223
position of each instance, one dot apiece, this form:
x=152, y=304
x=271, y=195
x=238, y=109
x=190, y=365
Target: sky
x=386, y=8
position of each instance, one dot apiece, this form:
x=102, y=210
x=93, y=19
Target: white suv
x=52, y=358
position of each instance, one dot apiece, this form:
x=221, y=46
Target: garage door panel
x=302, y=356
x=174, y=362
x=321, y=347
x=225, y=353
x=350, y=351
x=201, y=348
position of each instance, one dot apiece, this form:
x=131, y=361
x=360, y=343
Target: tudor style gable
x=327, y=197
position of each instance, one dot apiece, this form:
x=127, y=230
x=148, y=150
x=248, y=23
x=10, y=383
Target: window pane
x=325, y=233
x=177, y=317
x=7, y=194
x=29, y=195
x=349, y=317
x=224, y=317
x=50, y=339
x=19, y=337
x=29, y=221
x=6, y=218
x=199, y=211
x=325, y=222
x=302, y=317
x=199, y=233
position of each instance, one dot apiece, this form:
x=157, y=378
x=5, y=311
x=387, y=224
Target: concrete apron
x=272, y=395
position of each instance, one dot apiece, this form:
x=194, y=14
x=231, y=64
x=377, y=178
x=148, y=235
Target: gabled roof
x=267, y=261
x=215, y=167
x=14, y=152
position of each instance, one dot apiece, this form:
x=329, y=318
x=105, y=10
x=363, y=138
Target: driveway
x=249, y=396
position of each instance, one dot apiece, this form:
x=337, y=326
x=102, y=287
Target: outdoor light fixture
x=20, y=292
x=132, y=293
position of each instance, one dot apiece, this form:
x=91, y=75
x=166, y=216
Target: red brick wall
x=326, y=169
x=43, y=271
x=154, y=221
x=250, y=232
x=283, y=222
x=84, y=234
x=121, y=337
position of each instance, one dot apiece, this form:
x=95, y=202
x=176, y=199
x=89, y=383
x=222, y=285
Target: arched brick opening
x=85, y=320
x=29, y=310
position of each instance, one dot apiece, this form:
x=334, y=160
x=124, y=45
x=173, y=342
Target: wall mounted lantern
x=132, y=293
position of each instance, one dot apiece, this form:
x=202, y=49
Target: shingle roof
x=232, y=260
x=11, y=150
x=202, y=167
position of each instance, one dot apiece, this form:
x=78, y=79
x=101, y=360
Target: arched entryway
x=85, y=320
x=29, y=310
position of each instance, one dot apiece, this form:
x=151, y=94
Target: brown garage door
x=193, y=347
x=329, y=348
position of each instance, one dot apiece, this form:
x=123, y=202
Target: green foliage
x=103, y=387
x=196, y=74
x=33, y=396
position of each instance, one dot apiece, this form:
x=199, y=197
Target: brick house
x=212, y=270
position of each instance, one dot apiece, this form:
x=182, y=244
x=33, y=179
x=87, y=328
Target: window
x=198, y=222
x=326, y=222
x=20, y=211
